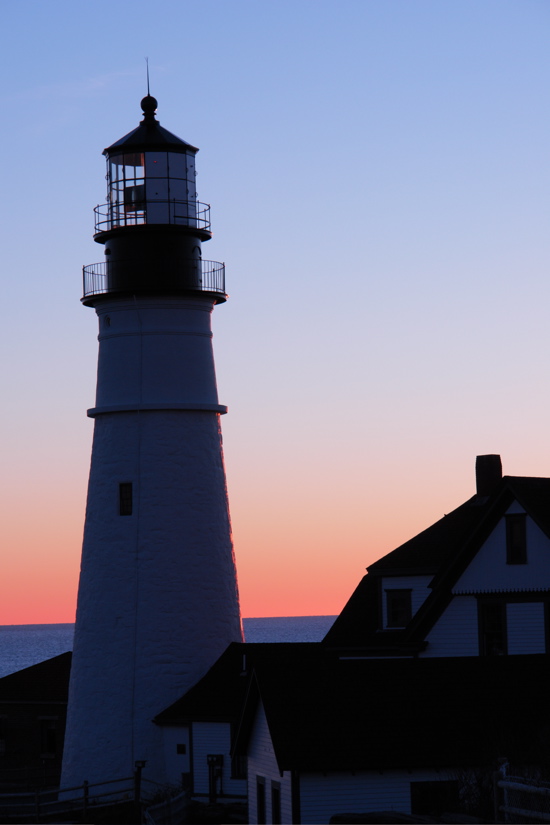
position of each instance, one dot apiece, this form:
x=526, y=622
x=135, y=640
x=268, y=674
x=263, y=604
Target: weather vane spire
x=147, y=63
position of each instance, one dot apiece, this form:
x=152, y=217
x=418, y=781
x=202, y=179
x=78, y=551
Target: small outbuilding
x=33, y=710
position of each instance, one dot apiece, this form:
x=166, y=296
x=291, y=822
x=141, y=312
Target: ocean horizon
x=23, y=645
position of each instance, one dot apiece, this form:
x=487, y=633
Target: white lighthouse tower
x=157, y=600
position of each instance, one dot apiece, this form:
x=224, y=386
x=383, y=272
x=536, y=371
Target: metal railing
x=207, y=276
x=52, y=803
x=179, y=213
x=41, y=805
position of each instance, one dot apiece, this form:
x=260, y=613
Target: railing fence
x=518, y=799
x=43, y=805
x=208, y=276
x=118, y=214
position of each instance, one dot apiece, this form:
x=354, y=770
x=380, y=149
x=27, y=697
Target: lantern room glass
x=152, y=188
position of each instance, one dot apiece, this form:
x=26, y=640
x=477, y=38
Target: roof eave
x=149, y=137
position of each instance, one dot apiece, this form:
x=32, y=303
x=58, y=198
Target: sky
x=378, y=172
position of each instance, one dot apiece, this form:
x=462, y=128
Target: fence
x=518, y=799
x=168, y=811
x=80, y=800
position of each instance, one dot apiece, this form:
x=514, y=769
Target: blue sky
x=379, y=177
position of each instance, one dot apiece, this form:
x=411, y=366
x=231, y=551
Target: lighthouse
x=157, y=598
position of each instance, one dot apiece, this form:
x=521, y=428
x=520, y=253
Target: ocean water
x=24, y=645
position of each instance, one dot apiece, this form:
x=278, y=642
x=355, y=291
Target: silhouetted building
x=33, y=710
x=435, y=669
x=477, y=582
x=157, y=600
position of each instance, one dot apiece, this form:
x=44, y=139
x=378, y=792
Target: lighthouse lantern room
x=157, y=599
x=152, y=224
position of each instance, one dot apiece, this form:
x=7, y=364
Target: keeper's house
x=475, y=583
x=434, y=670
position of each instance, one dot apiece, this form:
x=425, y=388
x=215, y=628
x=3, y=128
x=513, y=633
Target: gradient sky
x=379, y=178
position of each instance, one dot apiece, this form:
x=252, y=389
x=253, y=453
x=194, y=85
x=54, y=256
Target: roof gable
x=430, y=550
x=533, y=494
x=446, y=549
x=488, y=570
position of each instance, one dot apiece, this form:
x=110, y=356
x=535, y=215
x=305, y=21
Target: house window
x=125, y=498
x=260, y=800
x=239, y=766
x=516, y=539
x=48, y=738
x=398, y=608
x=276, y=803
x=492, y=628
x=181, y=749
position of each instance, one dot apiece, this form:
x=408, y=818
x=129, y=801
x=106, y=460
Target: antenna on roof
x=147, y=62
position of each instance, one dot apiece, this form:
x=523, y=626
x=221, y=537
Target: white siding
x=456, y=631
x=262, y=762
x=158, y=602
x=213, y=738
x=488, y=571
x=525, y=625
x=322, y=795
x=176, y=763
x=418, y=584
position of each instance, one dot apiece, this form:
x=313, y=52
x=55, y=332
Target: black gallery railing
x=149, y=211
x=200, y=276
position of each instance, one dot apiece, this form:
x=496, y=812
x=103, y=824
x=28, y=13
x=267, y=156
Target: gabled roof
x=220, y=694
x=332, y=715
x=426, y=552
x=45, y=682
x=443, y=550
x=431, y=549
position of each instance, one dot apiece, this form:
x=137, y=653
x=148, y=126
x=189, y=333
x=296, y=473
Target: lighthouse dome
x=149, y=135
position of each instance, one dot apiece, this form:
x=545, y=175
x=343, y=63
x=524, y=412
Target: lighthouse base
x=158, y=601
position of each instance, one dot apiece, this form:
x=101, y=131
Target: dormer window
x=516, y=539
x=398, y=608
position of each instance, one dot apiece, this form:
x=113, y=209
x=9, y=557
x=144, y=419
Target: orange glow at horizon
x=305, y=562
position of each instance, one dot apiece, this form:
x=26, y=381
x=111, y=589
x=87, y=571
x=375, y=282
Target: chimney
x=488, y=473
